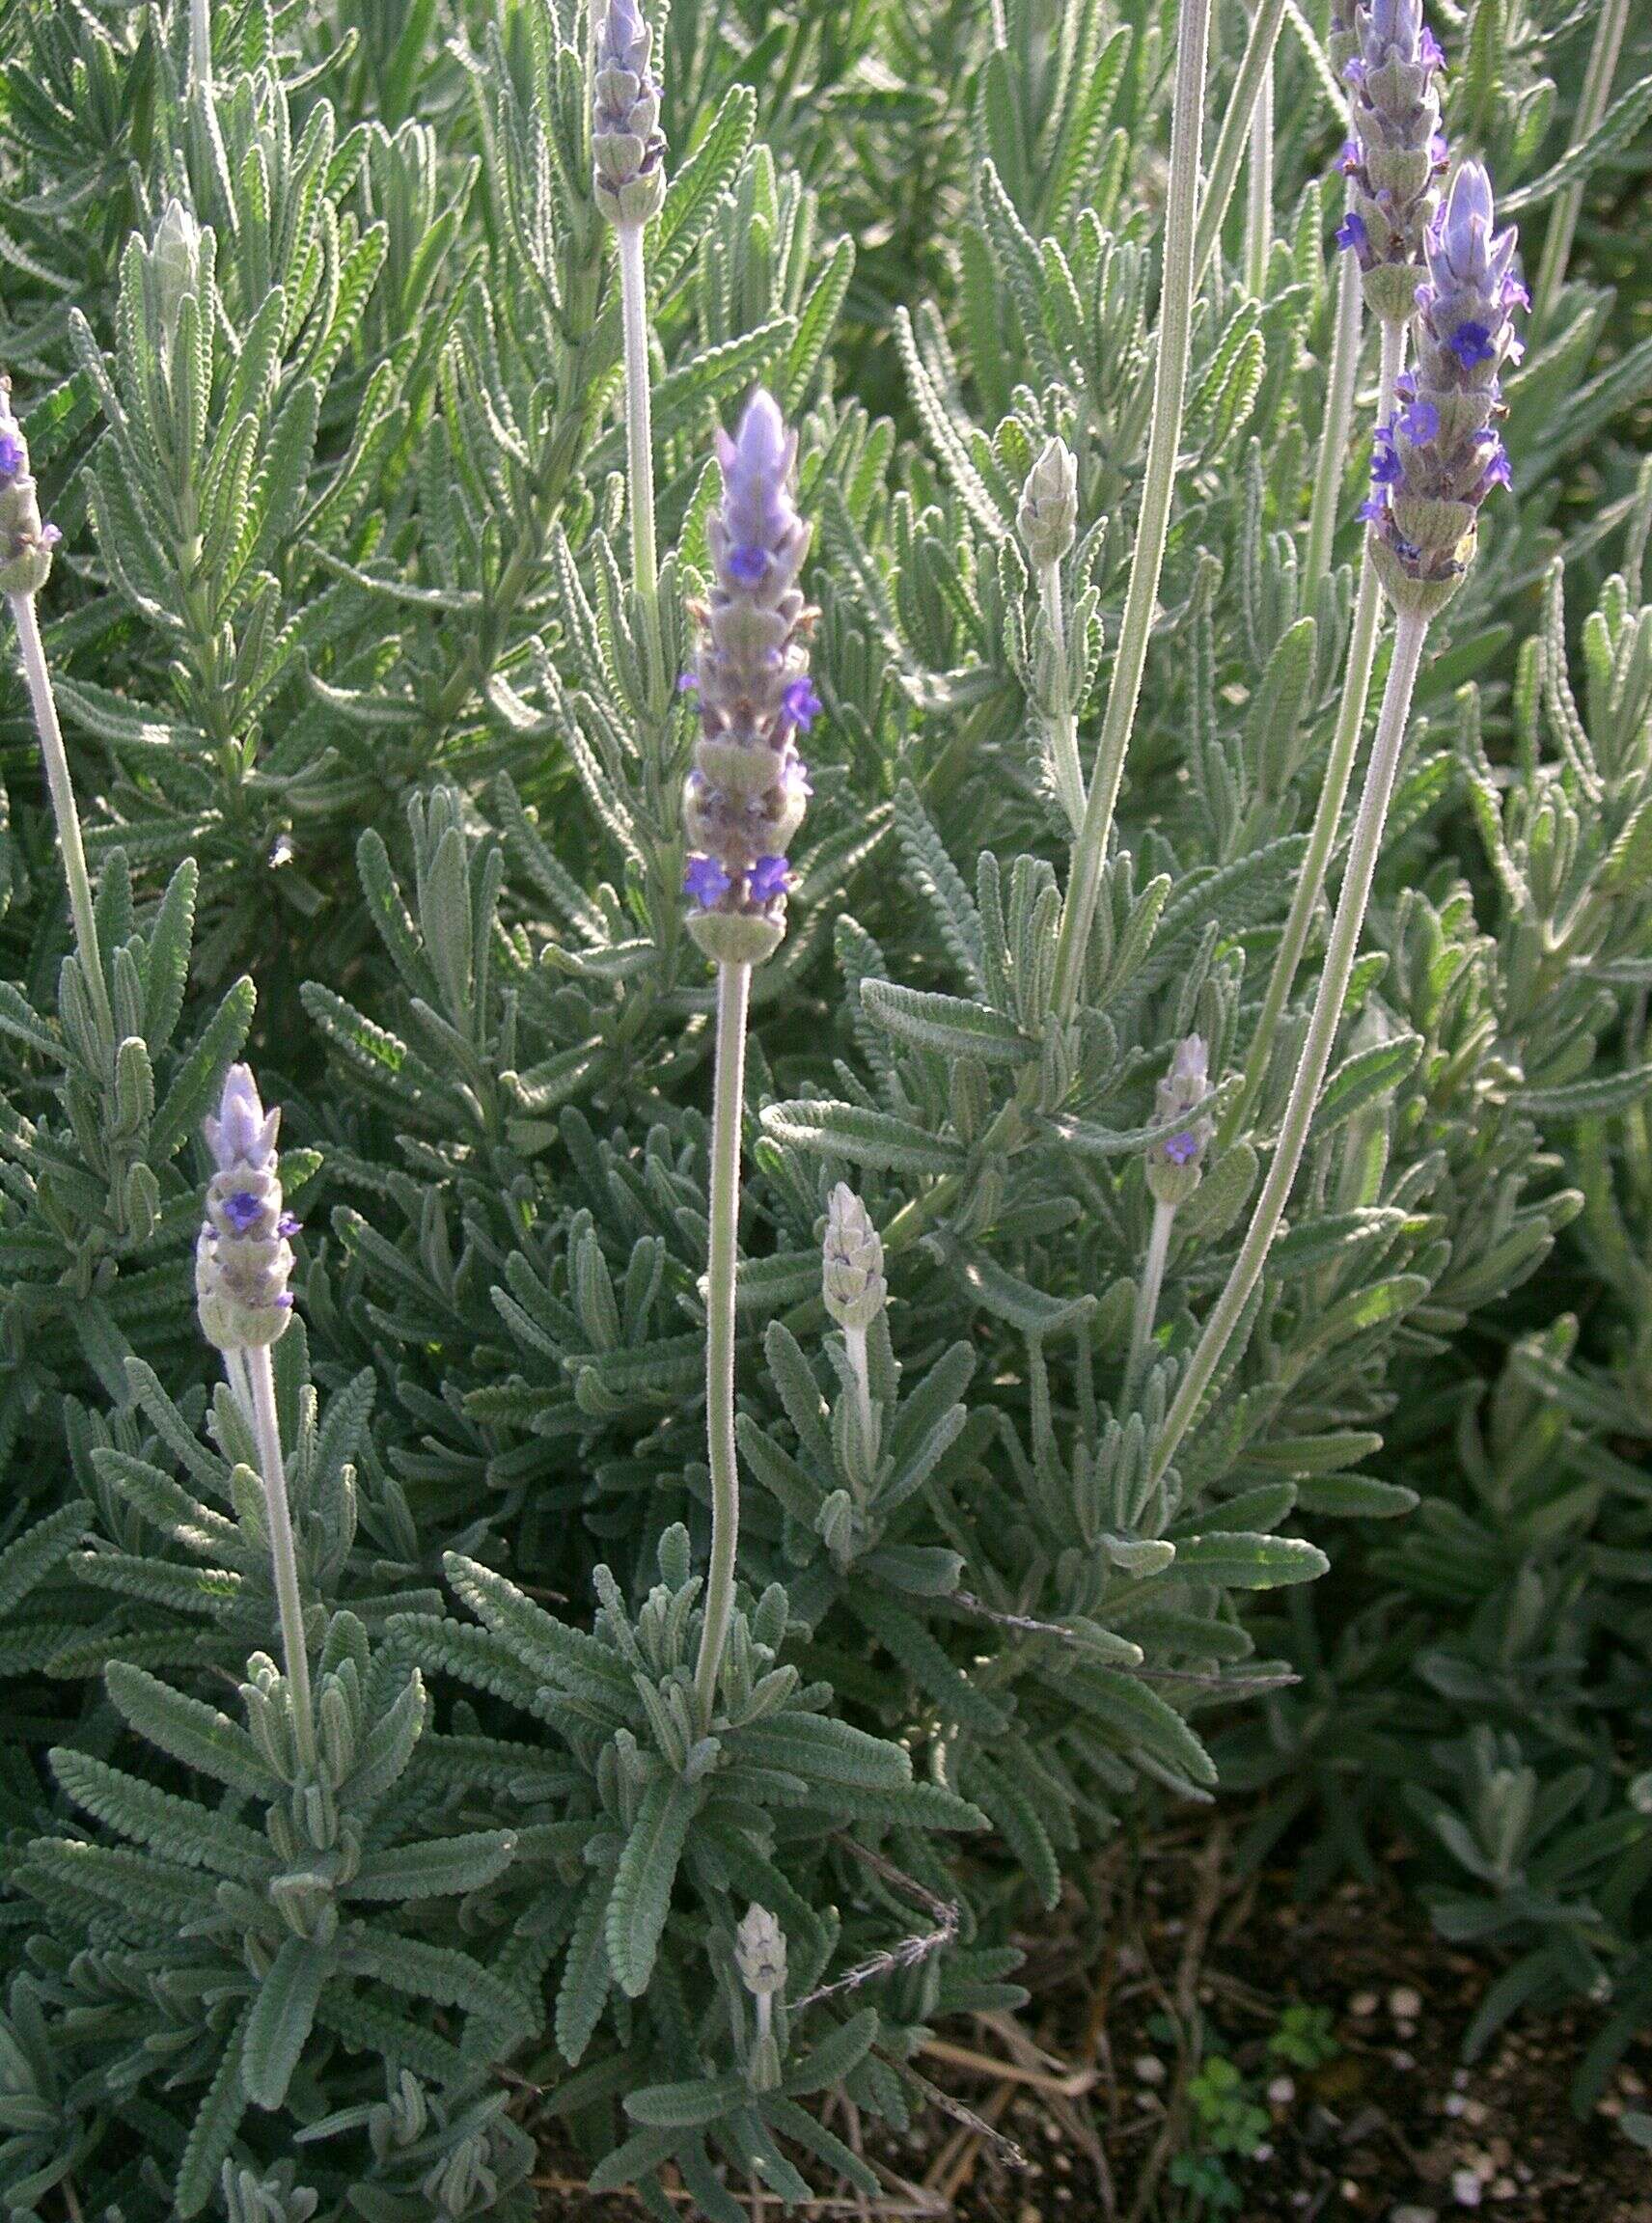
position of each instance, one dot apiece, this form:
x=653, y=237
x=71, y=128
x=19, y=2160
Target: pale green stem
x=639, y=451
x=1169, y=389
x=1340, y=386
x=1333, y=791
x=283, y=1553
x=38, y=679
x=1259, y=202
x=1363, y=849
x=728, y=1092
x=1256, y=66
x=1148, y=1294
x=1569, y=204
x=200, y=43
x=855, y=1344
x=1063, y=725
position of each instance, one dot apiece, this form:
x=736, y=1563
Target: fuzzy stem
x=1256, y=66
x=1334, y=434
x=38, y=679
x=1170, y=388
x=640, y=449
x=1063, y=724
x=1333, y=792
x=855, y=1344
x=200, y=43
x=284, y=1555
x=1148, y=1294
x=1259, y=202
x=1363, y=849
x=728, y=1092
x=1568, y=204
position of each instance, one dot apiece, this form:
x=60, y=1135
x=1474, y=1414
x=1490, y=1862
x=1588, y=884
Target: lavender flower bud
x=1441, y=457
x=852, y=1280
x=175, y=259
x=243, y=1259
x=26, y=544
x=759, y=1954
x=744, y=799
x=1396, y=154
x=1049, y=513
x=627, y=143
x=1174, y=1164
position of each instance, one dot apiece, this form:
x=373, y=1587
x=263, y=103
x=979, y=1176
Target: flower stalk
x=1568, y=204
x=1259, y=196
x=26, y=544
x=243, y=1263
x=1174, y=1170
x=1048, y=522
x=1169, y=391
x=743, y=802
x=1256, y=71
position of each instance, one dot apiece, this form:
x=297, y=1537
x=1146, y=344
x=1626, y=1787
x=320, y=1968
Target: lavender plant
x=837, y=1359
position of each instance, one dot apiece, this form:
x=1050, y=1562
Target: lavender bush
x=823, y=1335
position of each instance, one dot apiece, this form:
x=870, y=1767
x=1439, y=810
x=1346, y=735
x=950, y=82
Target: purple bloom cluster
x=1441, y=457
x=26, y=543
x=627, y=143
x=243, y=1257
x=746, y=795
x=1390, y=62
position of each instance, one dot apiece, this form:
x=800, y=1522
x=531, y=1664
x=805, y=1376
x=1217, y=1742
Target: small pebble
x=1504, y=2188
x=1149, y=2067
x=1364, y=2005
x=1405, y=2003
x=1281, y=2091
x=1474, y=2112
x=1455, y=2103
x=1466, y=2187
x=1404, y=2213
x=1401, y=2059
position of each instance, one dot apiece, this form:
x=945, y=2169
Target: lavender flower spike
x=1441, y=456
x=627, y=143
x=1175, y=1165
x=25, y=542
x=1396, y=155
x=746, y=795
x=244, y=1260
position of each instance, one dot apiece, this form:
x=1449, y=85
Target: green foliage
x=359, y=704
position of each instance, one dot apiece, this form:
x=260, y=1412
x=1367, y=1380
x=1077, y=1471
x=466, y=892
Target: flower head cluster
x=1441, y=457
x=25, y=542
x=627, y=143
x=746, y=795
x=1175, y=1165
x=243, y=1255
x=852, y=1278
x=1396, y=155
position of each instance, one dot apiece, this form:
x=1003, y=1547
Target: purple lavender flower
x=1182, y=1149
x=26, y=543
x=1173, y=1165
x=1390, y=62
x=627, y=143
x=1451, y=458
x=243, y=1259
x=745, y=797
x=705, y=880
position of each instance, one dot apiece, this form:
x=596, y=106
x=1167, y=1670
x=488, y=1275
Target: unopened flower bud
x=627, y=143
x=852, y=1280
x=175, y=259
x=26, y=544
x=243, y=1255
x=1174, y=1164
x=759, y=1954
x=1049, y=513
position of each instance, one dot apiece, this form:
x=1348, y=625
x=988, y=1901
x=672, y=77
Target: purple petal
x=769, y=877
x=705, y=880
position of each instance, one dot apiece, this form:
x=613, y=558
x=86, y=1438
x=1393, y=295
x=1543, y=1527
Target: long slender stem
x=38, y=679
x=1260, y=199
x=728, y=1092
x=1340, y=386
x=1255, y=65
x=284, y=1555
x=1148, y=1294
x=1229, y=1307
x=1333, y=792
x=1568, y=204
x=1063, y=725
x=200, y=43
x=639, y=448
x=855, y=1344
x=1170, y=389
